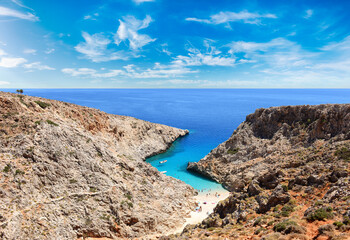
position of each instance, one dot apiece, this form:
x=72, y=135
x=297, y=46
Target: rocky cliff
x=71, y=172
x=288, y=171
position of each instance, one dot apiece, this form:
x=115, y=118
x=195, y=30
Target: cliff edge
x=288, y=172
x=71, y=172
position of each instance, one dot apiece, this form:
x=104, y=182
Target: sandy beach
x=207, y=200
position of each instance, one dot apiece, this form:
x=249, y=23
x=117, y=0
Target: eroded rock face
x=69, y=171
x=287, y=169
x=269, y=133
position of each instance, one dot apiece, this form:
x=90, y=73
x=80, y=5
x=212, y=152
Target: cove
x=211, y=115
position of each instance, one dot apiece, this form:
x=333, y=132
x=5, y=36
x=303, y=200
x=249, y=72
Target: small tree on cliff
x=19, y=91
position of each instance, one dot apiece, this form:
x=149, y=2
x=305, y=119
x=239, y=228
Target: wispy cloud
x=142, y=1
x=7, y=12
x=95, y=48
x=308, y=13
x=338, y=46
x=91, y=17
x=4, y=83
x=38, y=66
x=29, y=51
x=99, y=47
x=19, y=3
x=2, y=52
x=227, y=17
x=278, y=52
x=49, y=50
x=128, y=31
x=210, y=57
x=9, y=62
x=130, y=71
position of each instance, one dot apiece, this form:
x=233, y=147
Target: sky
x=174, y=44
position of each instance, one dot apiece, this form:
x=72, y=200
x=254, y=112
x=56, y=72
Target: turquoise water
x=211, y=115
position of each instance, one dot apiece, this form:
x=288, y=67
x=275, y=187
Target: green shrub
x=257, y=221
x=130, y=205
x=280, y=227
x=72, y=181
x=343, y=153
x=128, y=196
x=93, y=189
x=338, y=224
x=19, y=172
x=259, y=231
x=285, y=188
x=51, y=123
x=346, y=220
x=43, y=105
x=320, y=214
x=233, y=151
x=7, y=168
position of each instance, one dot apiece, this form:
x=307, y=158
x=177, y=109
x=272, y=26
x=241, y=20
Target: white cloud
x=4, y=83
x=49, y=50
x=19, y=3
x=89, y=72
x=91, y=17
x=248, y=47
x=308, y=13
x=9, y=62
x=2, y=52
x=29, y=51
x=128, y=30
x=38, y=66
x=95, y=48
x=279, y=53
x=343, y=45
x=142, y=1
x=61, y=35
x=130, y=71
x=210, y=57
x=226, y=17
x=165, y=49
x=13, y=13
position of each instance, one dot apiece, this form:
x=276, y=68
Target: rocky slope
x=71, y=172
x=288, y=171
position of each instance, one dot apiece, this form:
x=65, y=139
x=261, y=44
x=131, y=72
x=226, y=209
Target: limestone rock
x=71, y=172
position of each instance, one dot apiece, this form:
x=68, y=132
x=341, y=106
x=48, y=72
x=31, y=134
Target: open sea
x=211, y=115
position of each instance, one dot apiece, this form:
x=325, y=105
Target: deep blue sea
x=211, y=115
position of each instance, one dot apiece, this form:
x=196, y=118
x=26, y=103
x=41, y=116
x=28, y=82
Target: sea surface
x=211, y=115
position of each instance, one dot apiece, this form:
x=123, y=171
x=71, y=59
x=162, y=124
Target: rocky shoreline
x=71, y=172
x=288, y=172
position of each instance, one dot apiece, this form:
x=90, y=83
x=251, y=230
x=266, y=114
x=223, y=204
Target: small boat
x=163, y=172
x=161, y=162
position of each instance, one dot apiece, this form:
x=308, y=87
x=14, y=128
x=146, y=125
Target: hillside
x=288, y=172
x=71, y=172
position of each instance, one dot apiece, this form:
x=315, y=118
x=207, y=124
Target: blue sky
x=174, y=44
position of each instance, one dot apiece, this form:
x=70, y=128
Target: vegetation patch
x=72, y=181
x=338, y=224
x=7, y=168
x=51, y=123
x=343, y=153
x=320, y=214
x=43, y=105
x=233, y=151
x=280, y=227
x=93, y=189
x=128, y=196
x=19, y=172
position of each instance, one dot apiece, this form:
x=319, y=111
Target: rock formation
x=288, y=172
x=71, y=172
